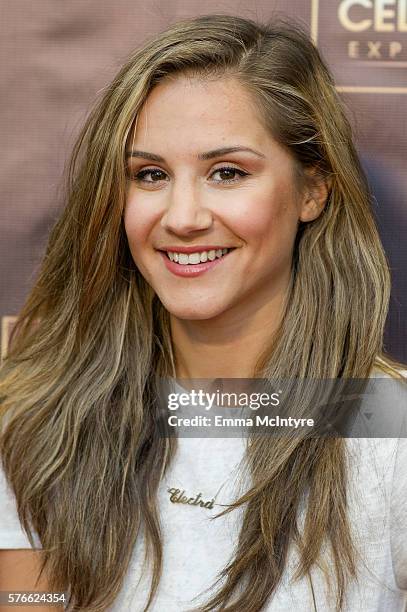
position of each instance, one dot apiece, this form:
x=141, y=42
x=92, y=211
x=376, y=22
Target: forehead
x=204, y=112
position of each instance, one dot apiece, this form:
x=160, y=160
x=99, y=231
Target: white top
x=196, y=548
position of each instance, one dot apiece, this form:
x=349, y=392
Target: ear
x=315, y=197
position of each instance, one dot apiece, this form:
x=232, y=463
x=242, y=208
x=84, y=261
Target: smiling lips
x=192, y=261
x=197, y=256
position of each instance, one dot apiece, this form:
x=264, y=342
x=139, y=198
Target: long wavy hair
x=79, y=445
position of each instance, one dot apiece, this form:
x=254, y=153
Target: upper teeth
x=194, y=258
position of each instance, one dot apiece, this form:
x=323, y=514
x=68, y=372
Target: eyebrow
x=200, y=156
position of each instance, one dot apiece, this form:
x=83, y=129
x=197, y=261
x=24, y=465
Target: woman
x=224, y=141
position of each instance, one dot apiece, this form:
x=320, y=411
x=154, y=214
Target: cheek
x=137, y=222
x=270, y=219
x=137, y=231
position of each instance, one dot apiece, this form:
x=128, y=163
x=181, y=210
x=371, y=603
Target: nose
x=185, y=212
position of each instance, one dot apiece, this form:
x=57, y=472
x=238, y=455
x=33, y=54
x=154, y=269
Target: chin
x=193, y=312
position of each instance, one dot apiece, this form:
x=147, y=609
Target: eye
x=228, y=170
x=156, y=175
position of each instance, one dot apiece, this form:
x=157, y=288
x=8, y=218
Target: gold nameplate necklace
x=178, y=496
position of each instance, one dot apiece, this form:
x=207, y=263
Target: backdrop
x=57, y=56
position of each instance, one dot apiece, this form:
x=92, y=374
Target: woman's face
x=188, y=187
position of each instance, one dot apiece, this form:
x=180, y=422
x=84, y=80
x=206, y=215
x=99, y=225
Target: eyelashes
x=139, y=177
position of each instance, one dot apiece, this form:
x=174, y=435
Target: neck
x=227, y=346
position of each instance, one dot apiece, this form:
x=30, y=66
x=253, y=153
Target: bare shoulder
x=19, y=571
